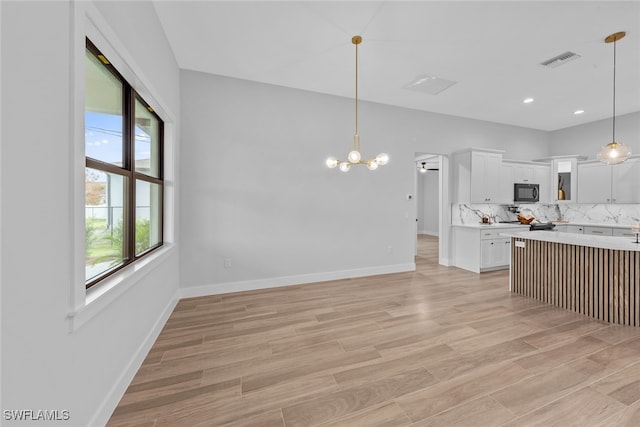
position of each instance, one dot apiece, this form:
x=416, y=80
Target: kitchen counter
x=497, y=225
x=592, y=275
x=594, y=224
x=603, y=242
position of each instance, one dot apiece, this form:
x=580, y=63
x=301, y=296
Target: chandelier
x=614, y=152
x=354, y=157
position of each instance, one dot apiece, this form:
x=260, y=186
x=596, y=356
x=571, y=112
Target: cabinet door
x=492, y=176
x=542, y=176
x=523, y=174
x=478, y=174
x=626, y=182
x=488, y=253
x=505, y=251
x=506, y=182
x=594, y=183
x=495, y=252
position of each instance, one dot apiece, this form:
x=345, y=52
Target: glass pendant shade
x=372, y=165
x=614, y=153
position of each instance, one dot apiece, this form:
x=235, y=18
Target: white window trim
x=85, y=304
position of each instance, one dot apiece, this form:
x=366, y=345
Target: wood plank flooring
x=436, y=347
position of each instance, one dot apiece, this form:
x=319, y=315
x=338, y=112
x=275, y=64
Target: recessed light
x=528, y=100
x=578, y=112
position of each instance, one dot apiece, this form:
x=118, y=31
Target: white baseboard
x=112, y=399
x=275, y=282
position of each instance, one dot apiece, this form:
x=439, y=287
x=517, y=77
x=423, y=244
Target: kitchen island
x=598, y=276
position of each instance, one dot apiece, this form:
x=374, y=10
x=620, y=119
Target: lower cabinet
x=495, y=253
x=481, y=249
x=598, y=231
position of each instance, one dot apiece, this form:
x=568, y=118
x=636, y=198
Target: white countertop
x=496, y=225
x=592, y=224
x=604, y=242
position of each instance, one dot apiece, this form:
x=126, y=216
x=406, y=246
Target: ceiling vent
x=429, y=84
x=561, y=59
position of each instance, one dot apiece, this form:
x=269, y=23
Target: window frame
x=128, y=170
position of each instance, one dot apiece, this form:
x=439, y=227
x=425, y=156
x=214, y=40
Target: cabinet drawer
x=576, y=229
x=490, y=234
x=623, y=232
x=598, y=231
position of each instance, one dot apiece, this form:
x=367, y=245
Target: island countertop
x=603, y=242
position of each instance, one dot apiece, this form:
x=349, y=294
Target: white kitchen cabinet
x=625, y=181
x=594, y=182
x=481, y=249
x=564, y=182
x=570, y=228
x=542, y=176
x=623, y=232
x=575, y=229
x=602, y=183
x=525, y=173
x=598, y=231
x=477, y=176
x=495, y=253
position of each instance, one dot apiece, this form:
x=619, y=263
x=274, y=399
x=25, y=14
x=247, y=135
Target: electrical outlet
x=227, y=263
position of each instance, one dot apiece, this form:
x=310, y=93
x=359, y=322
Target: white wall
x=587, y=139
x=44, y=366
x=428, y=201
x=431, y=202
x=255, y=188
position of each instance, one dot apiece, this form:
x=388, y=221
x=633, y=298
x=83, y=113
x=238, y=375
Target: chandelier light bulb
x=354, y=156
x=332, y=162
x=382, y=159
x=345, y=166
x=372, y=165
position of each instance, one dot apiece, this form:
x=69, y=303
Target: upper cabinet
x=525, y=173
x=564, y=179
x=601, y=183
x=476, y=177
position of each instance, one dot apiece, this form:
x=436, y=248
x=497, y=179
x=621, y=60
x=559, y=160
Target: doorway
x=433, y=211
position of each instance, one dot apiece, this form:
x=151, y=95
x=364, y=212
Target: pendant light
x=423, y=168
x=614, y=152
x=354, y=157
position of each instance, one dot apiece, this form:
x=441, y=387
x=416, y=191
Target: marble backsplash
x=577, y=213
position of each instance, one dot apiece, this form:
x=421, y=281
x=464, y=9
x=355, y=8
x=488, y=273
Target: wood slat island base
x=600, y=282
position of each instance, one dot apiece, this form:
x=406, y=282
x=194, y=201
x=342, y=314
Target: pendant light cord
x=614, y=91
x=357, y=137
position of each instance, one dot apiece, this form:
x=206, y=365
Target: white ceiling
x=492, y=50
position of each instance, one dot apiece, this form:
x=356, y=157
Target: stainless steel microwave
x=526, y=193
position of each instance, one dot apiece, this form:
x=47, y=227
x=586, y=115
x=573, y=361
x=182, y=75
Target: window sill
x=103, y=294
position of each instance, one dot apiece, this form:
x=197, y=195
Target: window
x=123, y=171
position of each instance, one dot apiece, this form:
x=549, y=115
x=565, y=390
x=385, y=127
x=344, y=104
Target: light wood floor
x=437, y=347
